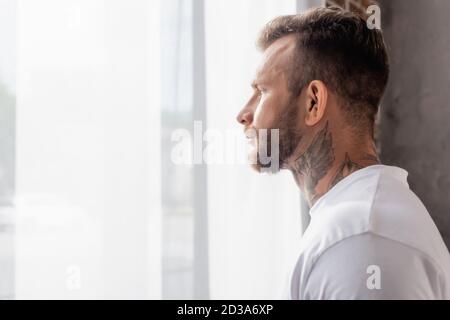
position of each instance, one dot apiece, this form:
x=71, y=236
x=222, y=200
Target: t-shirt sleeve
x=368, y=266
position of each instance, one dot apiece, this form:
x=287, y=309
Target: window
x=7, y=145
x=91, y=203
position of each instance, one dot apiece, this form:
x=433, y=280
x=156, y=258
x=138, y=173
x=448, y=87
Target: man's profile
x=320, y=82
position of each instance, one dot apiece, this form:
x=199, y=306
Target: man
x=320, y=82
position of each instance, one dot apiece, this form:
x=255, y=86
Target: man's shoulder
x=392, y=223
x=370, y=266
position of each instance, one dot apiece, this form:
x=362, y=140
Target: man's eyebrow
x=257, y=83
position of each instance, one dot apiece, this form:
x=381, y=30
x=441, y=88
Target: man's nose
x=245, y=117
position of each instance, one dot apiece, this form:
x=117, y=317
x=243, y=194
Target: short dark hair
x=336, y=47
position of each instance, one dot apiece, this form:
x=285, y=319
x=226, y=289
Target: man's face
x=272, y=105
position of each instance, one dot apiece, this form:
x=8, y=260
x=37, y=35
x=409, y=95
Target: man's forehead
x=277, y=56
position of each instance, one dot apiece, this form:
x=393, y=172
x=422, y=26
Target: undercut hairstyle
x=336, y=47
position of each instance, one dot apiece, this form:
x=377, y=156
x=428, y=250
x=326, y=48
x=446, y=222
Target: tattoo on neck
x=371, y=157
x=347, y=167
x=317, y=160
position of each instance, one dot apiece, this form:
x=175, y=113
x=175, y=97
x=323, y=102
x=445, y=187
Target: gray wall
x=415, y=116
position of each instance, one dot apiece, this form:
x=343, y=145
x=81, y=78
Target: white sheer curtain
x=88, y=150
x=254, y=220
x=7, y=160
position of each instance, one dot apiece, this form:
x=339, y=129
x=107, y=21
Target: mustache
x=252, y=132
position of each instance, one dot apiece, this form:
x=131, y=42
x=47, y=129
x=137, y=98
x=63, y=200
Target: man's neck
x=328, y=160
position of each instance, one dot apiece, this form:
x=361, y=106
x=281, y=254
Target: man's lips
x=250, y=135
x=251, y=140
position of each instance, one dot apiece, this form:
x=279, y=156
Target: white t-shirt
x=370, y=237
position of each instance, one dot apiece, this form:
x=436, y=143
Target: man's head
x=323, y=66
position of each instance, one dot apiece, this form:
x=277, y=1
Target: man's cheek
x=264, y=116
x=257, y=117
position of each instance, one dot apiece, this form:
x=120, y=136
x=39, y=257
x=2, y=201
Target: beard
x=278, y=143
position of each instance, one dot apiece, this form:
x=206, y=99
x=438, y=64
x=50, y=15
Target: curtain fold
x=88, y=150
x=90, y=153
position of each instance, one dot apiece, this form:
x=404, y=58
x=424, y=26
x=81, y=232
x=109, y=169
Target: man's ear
x=316, y=102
